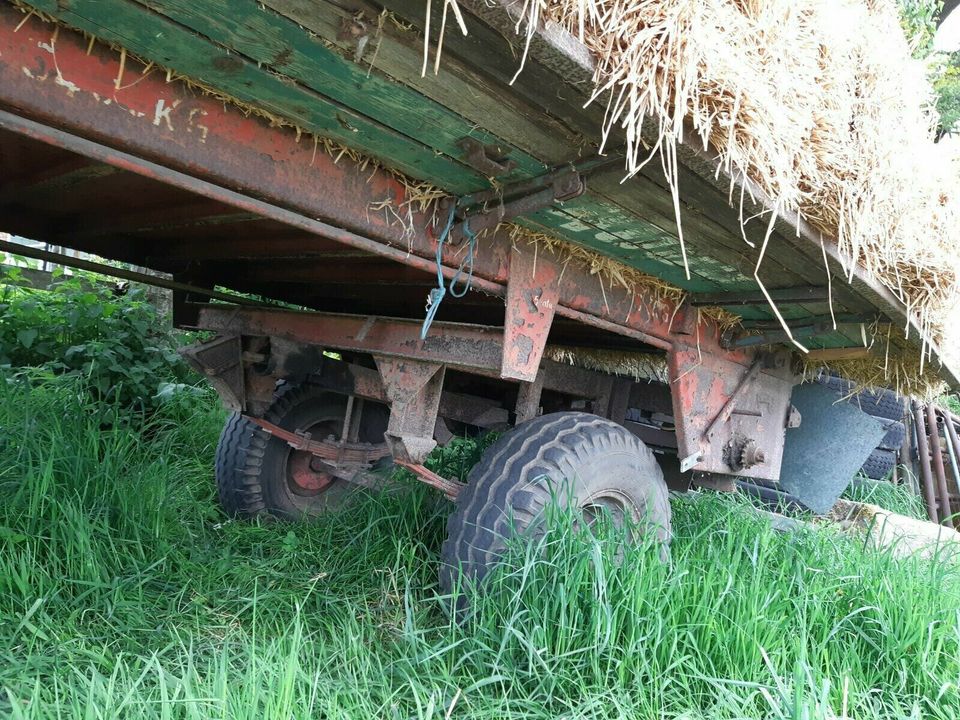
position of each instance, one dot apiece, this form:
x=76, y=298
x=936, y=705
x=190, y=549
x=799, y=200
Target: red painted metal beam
x=531, y=302
x=472, y=347
x=332, y=270
x=220, y=245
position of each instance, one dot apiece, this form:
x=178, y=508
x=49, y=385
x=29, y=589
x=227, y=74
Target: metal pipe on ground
x=940, y=473
x=909, y=468
x=953, y=446
x=923, y=454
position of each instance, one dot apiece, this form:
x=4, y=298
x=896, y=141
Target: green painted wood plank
x=497, y=56
x=489, y=50
x=633, y=236
x=704, y=238
x=625, y=229
x=605, y=226
x=554, y=222
x=279, y=44
x=397, y=53
x=268, y=38
x=155, y=38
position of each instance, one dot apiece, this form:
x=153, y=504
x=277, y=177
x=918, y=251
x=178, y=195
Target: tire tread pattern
x=240, y=452
x=512, y=481
x=879, y=464
x=880, y=403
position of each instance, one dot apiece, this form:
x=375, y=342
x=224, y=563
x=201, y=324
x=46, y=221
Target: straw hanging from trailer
x=831, y=125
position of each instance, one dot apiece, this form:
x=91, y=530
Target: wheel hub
x=304, y=478
x=307, y=475
x=611, y=505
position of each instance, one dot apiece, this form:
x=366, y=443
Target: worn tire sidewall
x=628, y=475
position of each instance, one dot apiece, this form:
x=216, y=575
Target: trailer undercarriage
x=326, y=351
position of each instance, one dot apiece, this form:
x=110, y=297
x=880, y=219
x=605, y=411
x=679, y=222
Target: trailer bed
x=346, y=78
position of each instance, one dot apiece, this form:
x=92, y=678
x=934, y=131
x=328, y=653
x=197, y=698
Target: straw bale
x=891, y=364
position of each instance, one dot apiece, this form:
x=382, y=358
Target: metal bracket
x=532, y=296
x=491, y=160
x=487, y=209
x=690, y=461
x=221, y=361
x=413, y=388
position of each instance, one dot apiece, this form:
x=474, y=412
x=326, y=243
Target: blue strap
x=466, y=262
x=438, y=293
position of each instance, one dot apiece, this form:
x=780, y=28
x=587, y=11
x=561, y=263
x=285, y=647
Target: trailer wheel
x=880, y=464
x=258, y=473
x=582, y=459
x=878, y=402
x=893, y=439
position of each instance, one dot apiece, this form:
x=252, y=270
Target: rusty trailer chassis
x=257, y=348
x=355, y=238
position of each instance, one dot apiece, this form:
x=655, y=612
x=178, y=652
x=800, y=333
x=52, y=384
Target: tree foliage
x=947, y=86
x=919, y=19
x=81, y=326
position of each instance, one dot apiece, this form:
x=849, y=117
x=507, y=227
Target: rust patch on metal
x=731, y=416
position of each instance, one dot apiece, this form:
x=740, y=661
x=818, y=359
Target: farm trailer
x=243, y=147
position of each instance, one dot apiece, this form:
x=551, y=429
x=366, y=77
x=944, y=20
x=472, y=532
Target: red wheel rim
x=305, y=476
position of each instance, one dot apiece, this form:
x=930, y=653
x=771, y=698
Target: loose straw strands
x=638, y=366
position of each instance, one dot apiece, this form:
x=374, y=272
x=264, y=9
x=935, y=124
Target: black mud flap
x=823, y=454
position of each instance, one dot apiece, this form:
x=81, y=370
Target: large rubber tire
x=880, y=463
x=880, y=403
x=252, y=466
x=582, y=459
x=893, y=438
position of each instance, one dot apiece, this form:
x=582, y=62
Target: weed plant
x=895, y=498
x=82, y=326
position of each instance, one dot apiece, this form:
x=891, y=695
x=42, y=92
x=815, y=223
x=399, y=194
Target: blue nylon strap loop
x=438, y=293
x=466, y=262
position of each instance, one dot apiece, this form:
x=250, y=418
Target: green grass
x=896, y=498
x=125, y=594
